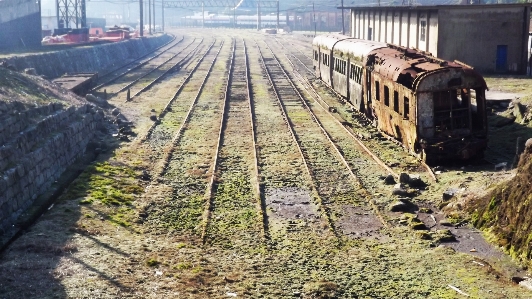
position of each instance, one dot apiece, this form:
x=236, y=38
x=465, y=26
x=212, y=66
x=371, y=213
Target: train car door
x=367, y=108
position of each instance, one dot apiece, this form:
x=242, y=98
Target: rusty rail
x=158, y=67
x=175, y=139
x=176, y=94
x=339, y=154
x=209, y=193
x=258, y=190
x=137, y=66
x=289, y=124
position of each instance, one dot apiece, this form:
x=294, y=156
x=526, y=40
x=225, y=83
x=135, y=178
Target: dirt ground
x=116, y=234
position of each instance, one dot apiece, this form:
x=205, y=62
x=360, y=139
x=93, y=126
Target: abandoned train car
x=435, y=108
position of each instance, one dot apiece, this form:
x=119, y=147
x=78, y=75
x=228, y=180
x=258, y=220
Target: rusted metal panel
x=425, y=115
x=355, y=94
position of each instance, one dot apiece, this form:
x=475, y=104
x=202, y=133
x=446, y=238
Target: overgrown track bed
x=138, y=80
x=237, y=213
x=116, y=73
x=191, y=162
x=200, y=69
x=331, y=179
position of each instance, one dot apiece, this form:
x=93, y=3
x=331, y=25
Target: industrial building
x=490, y=38
x=20, y=24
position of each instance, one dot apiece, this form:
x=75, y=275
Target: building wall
x=400, y=27
x=20, y=24
x=472, y=36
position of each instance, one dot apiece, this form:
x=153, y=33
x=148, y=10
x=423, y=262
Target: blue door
x=502, y=56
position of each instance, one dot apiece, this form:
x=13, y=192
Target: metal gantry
x=71, y=12
x=220, y=3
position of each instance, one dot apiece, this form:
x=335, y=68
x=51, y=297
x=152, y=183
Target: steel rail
x=137, y=66
x=208, y=198
x=184, y=59
x=157, y=67
x=258, y=190
x=333, y=145
x=176, y=94
x=179, y=132
x=290, y=125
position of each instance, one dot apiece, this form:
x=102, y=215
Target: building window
x=423, y=31
x=370, y=33
x=386, y=96
x=406, y=108
x=377, y=91
x=396, y=101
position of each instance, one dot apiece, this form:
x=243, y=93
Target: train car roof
x=408, y=66
x=351, y=46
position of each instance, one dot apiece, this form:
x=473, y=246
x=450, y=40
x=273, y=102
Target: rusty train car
x=435, y=108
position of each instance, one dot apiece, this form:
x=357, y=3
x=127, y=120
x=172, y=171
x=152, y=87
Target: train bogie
x=435, y=108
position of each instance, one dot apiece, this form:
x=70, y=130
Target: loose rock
x=389, y=180
x=404, y=178
x=448, y=194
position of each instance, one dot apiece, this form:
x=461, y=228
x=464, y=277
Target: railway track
x=195, y=119
x=330, y=183
x=169, y=106
x=122, y=70
x=236, y=209
x=174, y=118
x=141, y=79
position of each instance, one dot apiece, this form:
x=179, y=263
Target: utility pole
x=141, y=7
x=162, y=10
x=277, y=16
x=149, y=17
x=258, y=15
x=153, y=16
x=202, y=14
x=234, y=15
x=314, y=12
x=343, y=23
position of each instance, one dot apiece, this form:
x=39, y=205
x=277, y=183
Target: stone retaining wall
x=32, y=159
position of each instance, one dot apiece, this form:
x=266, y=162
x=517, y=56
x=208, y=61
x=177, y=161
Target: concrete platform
x=501, y=96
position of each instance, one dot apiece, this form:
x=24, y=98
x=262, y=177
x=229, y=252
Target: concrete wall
x=20, y=24
x=87, y=59
x=472, y=36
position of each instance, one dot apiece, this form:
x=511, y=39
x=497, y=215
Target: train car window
x=406, y=108
x=377, y=91
x=396, y=101
x=451, y=110
x=423, y=30
x=359, y=75
x=352, y=72
x=343, y=67
x=315, y=55
x=386, y=96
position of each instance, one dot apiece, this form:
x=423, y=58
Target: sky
x=129, y=8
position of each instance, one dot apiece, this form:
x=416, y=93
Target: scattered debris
x=458, y=290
